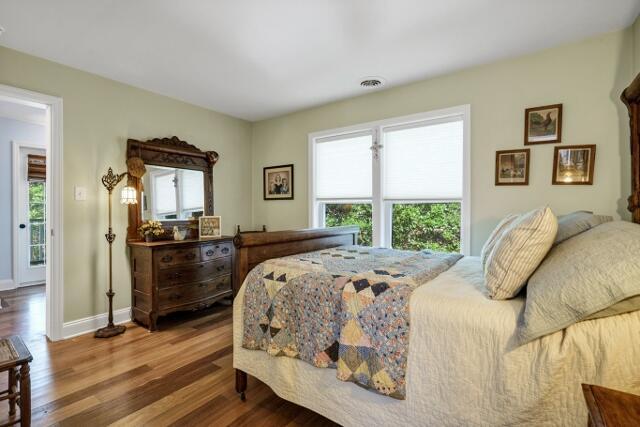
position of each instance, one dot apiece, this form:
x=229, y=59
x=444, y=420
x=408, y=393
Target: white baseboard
x=90, y=324
x=7, y=285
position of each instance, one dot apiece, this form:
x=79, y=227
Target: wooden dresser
x=168, y=276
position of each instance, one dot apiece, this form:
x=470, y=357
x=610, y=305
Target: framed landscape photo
x=277, y=182
x=512, y=167
x=543, y=125
x=210, y=226
x=574, y=165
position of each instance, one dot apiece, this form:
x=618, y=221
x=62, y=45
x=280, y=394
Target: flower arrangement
x=151, y=229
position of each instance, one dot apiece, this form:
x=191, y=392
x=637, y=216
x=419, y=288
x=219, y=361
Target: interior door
x=32, y=225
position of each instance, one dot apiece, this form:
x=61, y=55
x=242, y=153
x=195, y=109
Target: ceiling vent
x=372, y=82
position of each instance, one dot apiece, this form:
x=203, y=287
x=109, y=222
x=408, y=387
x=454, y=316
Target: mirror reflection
x=172, y=194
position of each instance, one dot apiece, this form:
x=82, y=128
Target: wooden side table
x=611, y=408
x=15, y=359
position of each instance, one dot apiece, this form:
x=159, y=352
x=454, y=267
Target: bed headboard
x=631, y=97
x=254, y=248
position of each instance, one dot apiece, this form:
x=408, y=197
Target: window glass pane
x=36, y=192
x=424, y=162
x=435, y=226
x=36, y=235
x=37, y=255
x=351, y=214
x=343, y=168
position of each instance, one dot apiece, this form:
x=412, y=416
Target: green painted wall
x=587, y=77
x=99, y=116
x=636, y=44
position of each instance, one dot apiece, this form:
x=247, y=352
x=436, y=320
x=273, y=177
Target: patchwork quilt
x=345, y=308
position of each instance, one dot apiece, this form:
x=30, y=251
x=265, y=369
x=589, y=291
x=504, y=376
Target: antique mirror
x=177, y=188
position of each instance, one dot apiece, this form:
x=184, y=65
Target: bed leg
x=241, y=384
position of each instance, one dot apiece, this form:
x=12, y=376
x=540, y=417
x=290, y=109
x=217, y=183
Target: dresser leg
x=25, y=395
x=153, y=319
x=241, y=384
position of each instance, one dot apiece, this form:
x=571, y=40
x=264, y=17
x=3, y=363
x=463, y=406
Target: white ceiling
x=256, y=59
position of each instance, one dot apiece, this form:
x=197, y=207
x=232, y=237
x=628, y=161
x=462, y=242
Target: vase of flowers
x=150, y=230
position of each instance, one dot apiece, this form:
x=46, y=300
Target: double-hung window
x=404, y=181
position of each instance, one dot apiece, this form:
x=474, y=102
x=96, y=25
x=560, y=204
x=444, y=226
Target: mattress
x=463, y=366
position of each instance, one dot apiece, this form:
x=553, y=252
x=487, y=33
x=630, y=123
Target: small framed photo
x=574, y=164
x=512, y=167
x=543, y=125
x=277, y=182
x=210, y=226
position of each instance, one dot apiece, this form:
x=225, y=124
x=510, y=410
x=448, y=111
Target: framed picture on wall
x=574, y=165
x=512, y=167
x=277, y=182
x=543, y=125
x=210, y=226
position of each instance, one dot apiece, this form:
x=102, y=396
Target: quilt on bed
x=345, y=308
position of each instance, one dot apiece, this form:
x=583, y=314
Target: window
x=37, y=221
x=404, y=181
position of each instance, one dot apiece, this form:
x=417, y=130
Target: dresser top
x=162, y=243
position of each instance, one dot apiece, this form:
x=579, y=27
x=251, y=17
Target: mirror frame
x=170, y=152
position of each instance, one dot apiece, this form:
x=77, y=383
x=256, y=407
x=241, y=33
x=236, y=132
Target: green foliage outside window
x=351, y=214
x=415, y=226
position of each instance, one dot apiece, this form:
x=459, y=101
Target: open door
x=32, y=217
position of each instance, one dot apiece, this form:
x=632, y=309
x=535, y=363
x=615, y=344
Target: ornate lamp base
x=110, y=331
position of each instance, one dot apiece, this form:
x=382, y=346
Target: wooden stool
x=15, y=359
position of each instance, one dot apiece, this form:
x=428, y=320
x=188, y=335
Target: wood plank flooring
x=179, y=376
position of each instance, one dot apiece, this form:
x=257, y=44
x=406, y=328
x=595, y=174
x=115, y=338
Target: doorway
x=31, y=134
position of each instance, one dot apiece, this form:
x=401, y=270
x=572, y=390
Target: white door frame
x=16, y=176
x=54, y=256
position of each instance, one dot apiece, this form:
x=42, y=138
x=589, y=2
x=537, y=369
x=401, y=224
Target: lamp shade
x=128, y=196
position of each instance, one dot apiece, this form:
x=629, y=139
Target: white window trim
x=381, y=208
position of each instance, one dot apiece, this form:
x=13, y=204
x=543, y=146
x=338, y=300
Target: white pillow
x=519, y=251
x=494, y=237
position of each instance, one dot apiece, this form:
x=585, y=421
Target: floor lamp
x=128, y=196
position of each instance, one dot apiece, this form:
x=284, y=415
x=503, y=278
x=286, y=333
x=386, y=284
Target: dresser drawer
x=215, y=250
x=193, y=292
x=167, y=258
x=194, y=273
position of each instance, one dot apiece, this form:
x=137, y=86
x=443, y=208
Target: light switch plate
x=80, y=193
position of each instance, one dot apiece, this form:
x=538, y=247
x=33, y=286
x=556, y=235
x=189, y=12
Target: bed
x=463, y=367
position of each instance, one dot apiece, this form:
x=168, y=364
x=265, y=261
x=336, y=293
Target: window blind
x=192, y=189
x=423, y=161
x=343, y=167
x=164, y=184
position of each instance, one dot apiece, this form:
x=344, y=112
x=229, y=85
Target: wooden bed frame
x=253, y=248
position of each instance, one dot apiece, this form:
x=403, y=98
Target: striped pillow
x=518, y=252
x=494, y=237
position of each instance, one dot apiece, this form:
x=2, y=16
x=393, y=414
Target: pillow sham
x=494, y=237
x=518, y=252
x=578, y=222
x=580, y=277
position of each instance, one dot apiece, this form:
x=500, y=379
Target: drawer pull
x=174, y=297
x=210, y=252
x=201, y=285
x=220, y=268
x=225, y=250
x=167, y=258
x=175, y=275
x=190, y=256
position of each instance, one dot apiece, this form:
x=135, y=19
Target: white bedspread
x=462, y=369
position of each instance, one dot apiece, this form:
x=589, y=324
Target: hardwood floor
x=181, y=375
